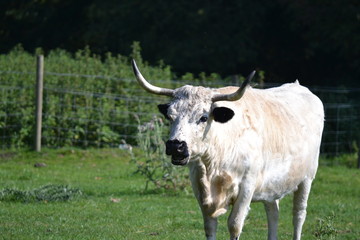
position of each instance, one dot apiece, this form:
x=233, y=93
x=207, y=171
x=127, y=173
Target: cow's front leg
x=210, y=226
x=239, y=211
x=201, y=188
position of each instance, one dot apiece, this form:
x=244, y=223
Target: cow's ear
x=222, y=114
x=163, y=108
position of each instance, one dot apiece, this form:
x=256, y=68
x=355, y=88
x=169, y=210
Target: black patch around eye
x=203, y=119
x=163, y=108
x=223, y=114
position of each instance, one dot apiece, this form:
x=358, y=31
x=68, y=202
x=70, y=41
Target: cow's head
x=191, y=113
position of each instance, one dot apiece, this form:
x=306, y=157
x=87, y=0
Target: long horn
x=236, y=95
x=147, y=86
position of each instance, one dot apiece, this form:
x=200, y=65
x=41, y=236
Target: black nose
x=178, y=150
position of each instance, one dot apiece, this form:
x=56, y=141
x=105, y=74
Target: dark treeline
x=316, y=41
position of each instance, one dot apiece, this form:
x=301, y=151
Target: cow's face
x=191, y=113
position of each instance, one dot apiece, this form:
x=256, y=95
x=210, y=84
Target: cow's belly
x=271, y=193
x=279, y=180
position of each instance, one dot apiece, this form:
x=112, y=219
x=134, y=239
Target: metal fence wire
x=84, y=116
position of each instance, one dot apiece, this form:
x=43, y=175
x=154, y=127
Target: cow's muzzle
x=178, y=151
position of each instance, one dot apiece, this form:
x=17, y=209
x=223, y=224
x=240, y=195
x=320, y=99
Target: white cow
x=244, y=146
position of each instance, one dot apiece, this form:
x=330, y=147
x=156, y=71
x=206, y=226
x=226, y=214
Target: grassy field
x=113, y=204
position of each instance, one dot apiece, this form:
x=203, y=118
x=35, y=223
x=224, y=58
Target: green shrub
x=47, y=193
x=325, y=228
x=88, y=100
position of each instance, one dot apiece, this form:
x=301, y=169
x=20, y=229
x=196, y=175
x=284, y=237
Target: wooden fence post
x=358, y=154
x=39, y=100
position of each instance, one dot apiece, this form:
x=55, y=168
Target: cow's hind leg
x=301, y=196
x=272, y=213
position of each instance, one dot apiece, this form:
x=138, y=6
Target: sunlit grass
x=114, y=205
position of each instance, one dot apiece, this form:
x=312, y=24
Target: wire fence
x=82, y=116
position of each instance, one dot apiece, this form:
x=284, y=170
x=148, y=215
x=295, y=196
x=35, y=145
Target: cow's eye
x=203, y=119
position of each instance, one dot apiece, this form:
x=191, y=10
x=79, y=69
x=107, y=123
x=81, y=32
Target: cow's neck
x=213, y=186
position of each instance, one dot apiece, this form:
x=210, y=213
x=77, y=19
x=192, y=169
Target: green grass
x=113, y=204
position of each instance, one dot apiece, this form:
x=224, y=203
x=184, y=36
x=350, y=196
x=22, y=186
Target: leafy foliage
x=84, y=98
x=325, y=228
